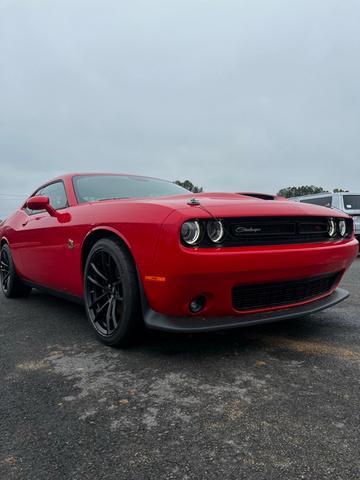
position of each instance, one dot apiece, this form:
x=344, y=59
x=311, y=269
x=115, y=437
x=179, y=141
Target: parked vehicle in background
x=344, y=201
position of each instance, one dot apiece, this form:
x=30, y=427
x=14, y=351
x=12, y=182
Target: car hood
x=234, y=205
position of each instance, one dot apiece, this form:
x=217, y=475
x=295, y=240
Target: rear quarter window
x=322, y=201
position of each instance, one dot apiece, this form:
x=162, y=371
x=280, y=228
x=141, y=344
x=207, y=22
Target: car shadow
x=235, y=341
x=70, y=317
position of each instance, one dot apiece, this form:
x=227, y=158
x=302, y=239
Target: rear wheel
x=11, y=284
x=111, y=292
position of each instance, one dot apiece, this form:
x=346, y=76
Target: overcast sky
x=232, y=94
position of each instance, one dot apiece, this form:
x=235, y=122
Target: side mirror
x=41, y=203
x=38, y=203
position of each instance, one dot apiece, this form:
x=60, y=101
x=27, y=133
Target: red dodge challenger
x=139, y=250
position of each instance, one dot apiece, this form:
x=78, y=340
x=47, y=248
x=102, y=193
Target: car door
x=45, y=240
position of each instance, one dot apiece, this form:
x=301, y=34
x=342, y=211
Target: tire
x=111, y=294
x=11, y=284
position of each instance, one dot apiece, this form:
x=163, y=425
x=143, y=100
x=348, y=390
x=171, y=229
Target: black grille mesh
x=276, y=230
x=253, y=231
x=251, y=297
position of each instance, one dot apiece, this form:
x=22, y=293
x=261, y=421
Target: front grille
x=253, y=231
x=258, y=296
x=276, y=230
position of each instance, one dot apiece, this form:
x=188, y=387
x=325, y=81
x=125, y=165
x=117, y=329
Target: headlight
x=215, y=230
x=342, y=228
x=190, y=232
x=331, y=227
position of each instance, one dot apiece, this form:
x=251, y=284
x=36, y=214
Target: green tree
x=189, y=186
x=339, y=190
x=299, y=191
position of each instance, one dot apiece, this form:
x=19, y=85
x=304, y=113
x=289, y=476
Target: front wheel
x=111, y=291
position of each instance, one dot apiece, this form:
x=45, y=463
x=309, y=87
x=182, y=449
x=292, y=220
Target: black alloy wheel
x=111, y=290
x=4, y=271
x=105, y=291
x=11, y=285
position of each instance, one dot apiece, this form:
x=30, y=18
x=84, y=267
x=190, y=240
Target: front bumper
x=213, y=273
x=158, y=321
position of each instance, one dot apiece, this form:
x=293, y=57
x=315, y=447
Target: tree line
x=286, y=192
x=189, y=186
x=289, y=192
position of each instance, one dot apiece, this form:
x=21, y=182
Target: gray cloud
x=235, y=95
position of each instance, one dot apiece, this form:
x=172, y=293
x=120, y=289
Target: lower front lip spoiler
x=158, y=321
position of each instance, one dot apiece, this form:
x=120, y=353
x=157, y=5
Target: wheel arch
x=4, y=241
x=98, y=234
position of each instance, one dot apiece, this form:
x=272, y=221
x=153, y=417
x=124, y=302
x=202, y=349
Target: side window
x=57, y=196
x=323, y=201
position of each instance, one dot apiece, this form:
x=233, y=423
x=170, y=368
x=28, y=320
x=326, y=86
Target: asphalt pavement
x=279, y=401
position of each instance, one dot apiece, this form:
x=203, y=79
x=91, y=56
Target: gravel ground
x=273, y=402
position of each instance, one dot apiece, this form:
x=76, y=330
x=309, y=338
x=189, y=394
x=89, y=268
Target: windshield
x=352, y=202
x=92, y=188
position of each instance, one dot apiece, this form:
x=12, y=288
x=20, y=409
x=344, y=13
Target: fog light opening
x=197, y=304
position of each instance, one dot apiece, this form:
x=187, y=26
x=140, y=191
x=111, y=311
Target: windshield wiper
x=110, y=198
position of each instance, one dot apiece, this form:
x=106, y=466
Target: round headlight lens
x=331, y=228
x=342, y=228
x=190, y=232
x=215, y=230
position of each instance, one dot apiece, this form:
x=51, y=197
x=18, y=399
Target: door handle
x=25, y=223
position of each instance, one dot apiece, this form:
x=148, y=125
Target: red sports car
x=143, y=251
